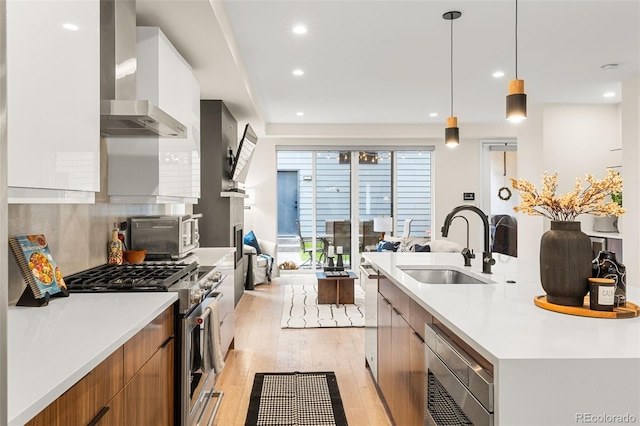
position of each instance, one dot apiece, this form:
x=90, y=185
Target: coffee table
x=336, y=289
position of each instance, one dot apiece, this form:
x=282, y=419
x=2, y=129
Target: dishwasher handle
x=463, y=365
x=368, y=271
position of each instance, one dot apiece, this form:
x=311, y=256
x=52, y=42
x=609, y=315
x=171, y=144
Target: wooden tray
x=630, y=310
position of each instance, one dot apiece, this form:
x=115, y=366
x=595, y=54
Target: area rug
x=301, y=310
x=295, y=399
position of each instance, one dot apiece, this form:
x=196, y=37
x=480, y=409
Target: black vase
x=605, y=265
x=565, y=263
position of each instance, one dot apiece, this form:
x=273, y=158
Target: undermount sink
x=431, y=275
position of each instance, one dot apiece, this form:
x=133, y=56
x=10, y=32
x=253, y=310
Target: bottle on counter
x=114, y=248
x=605, y=265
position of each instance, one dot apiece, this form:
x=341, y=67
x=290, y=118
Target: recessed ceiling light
x=298, y=72
x=609, y=67
x=498, y=74
x=71, y=27
x=300, y=29
x=608, y=94
x=433, y=114
x=299, y=113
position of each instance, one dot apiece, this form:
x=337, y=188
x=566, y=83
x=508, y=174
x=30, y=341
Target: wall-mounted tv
x=242, y=159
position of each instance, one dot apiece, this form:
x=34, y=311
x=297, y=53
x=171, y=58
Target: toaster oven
x=165, y=236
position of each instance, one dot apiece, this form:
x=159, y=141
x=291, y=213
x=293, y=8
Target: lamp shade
x=382, y=224
x=516, y=107
x=452, y=136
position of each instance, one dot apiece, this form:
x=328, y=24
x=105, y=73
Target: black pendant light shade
x=516, y=107
x=451, y=132
x=516, y=99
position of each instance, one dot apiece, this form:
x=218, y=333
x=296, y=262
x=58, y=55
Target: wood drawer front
x=148, y=395
x=143, y=345
x=81, y=403
x=418, y=317
x=46, y=417
x=114, y=416
x=393, y=294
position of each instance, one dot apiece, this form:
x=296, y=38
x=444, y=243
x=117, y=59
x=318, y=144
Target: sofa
x=415, y=243
x=257, y=265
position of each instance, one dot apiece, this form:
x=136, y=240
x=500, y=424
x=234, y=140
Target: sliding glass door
x=338, y=199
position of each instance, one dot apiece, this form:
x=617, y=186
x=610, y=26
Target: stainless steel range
x=184, y=278
x=196, y=288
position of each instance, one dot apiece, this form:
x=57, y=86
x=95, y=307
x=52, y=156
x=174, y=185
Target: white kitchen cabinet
x=156, y=169
x=53, y=93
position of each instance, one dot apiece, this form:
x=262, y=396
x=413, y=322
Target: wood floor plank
x=262, y=346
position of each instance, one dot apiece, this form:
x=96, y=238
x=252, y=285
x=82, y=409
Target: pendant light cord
x=451, y=56
x=516, y=39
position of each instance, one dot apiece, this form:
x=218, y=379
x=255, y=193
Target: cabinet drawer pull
x=166, y=342
x=98, y=416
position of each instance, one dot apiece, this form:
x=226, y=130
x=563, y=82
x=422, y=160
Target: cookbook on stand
x=39, y=270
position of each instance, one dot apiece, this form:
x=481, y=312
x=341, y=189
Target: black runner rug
x=295, y=399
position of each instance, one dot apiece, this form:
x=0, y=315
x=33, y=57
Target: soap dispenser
x=114, y=248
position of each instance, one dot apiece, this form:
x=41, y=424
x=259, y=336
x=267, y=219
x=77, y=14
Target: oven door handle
x=202, y=318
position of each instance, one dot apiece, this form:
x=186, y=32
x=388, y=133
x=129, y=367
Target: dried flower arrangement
x=568, y=206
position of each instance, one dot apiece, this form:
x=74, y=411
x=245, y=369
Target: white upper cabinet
x=156, y=169
x=53, y=76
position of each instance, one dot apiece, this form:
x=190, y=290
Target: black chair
x=306, y=246
x=505, y=235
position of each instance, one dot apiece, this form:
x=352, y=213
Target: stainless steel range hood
x=121, y=114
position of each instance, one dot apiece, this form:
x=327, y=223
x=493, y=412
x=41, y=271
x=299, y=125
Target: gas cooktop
x=147, y=276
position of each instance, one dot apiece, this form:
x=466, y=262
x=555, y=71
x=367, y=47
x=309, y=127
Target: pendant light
x=516, y=99
x=451, y=132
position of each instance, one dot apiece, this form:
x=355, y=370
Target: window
x=321, y=189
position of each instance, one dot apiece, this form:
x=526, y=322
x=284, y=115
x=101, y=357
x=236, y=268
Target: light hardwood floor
x=262, y=346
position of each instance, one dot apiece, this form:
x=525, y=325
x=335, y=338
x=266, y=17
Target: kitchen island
x=549, y=368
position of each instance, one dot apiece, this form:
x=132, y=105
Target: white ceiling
x=387, y=62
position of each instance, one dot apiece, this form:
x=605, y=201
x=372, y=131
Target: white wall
x=572, y=140
x=577, y=139
x=530, y=228
x=457, y=170
x=3, y=216
x=630, y=112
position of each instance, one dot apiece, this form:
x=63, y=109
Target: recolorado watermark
x=603, y=418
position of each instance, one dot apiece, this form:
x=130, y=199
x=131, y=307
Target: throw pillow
x=418, y=247
x=251, y=240
x=388, y=246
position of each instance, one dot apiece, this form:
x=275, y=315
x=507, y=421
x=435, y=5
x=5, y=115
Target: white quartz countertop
x=210, y=256
x=501, y=321
x=50, y=348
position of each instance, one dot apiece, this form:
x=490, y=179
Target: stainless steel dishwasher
x=369, y=279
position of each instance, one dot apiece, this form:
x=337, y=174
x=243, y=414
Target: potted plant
x=565, y=251
x=608, y=223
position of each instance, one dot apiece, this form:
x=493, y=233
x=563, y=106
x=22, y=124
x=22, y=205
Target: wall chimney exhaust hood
x=121, y=114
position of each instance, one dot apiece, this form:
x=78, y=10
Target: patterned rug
x=301, y=310
x=295, y=399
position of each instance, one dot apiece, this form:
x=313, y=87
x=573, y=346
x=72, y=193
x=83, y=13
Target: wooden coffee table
x=335, y=289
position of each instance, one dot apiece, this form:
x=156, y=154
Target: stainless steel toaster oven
x=165, y=236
